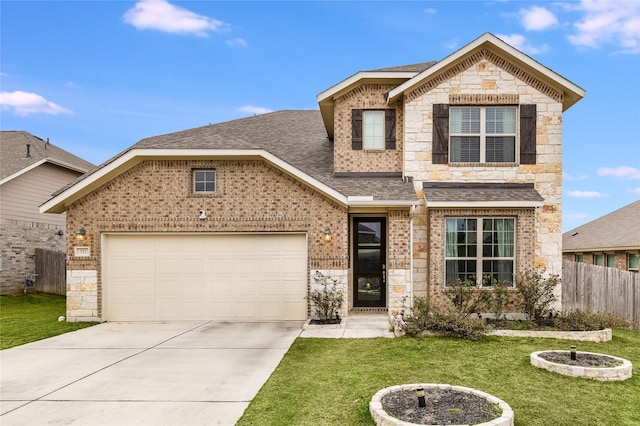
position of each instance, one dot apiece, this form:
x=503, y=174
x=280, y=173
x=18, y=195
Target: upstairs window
x=482, y=134
x=204, y=181
x=373, y=129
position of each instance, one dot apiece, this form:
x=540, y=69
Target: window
x=598, y=259
x=482, y=134
x=479, y=247
x=611, y=261
x=579, y=258
x=204, y=181
x=632, y=261
x=373, y=129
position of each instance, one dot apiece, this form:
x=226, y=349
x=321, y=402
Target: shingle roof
x=407, y=68
x=470, y=192
x=297, y=137
x=618, y=229
x=13, y=153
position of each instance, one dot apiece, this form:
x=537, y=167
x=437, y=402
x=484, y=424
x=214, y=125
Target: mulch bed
x=582, y=359
x=444, y=406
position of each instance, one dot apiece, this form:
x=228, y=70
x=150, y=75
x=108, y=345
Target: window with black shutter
x=373, y=129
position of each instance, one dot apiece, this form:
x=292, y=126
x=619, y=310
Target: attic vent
x=28, y=151
x=82, y=251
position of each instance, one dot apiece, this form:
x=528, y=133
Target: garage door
x=237, y=277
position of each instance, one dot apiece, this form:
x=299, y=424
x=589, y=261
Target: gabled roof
x=409, y=77
x=292, y=141
x=14, y=160
x=618, y=230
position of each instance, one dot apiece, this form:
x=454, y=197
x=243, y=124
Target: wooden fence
x=51, y=272
x=601, y=289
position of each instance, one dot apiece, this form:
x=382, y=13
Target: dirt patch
x=444, y=406
x=582, y=359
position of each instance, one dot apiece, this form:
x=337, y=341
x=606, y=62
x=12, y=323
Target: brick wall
x=18, y=250
x=345, y=159
x=621, y=257
x=156, y=196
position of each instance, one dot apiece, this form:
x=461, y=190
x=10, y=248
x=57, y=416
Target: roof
x=463, y=194
x=294, y=141
x=409, y=77
x=619, y=230
x=14, y=159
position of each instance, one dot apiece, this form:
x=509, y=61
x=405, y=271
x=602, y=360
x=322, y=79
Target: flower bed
x=622, y=371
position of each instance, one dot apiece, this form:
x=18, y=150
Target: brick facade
x=621, y=257
x=346, y=159
x=18, y=252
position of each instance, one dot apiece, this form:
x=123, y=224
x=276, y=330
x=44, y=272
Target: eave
x=41, y=162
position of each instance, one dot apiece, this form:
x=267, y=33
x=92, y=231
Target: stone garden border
x=603, y=335
x=620, y=372
x=381, y=417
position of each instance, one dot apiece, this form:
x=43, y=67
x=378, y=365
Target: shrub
x=466, y=297
x=328, y=299
x=446, y=319
x=536, y=292
x=578, y=320
x=498, y=298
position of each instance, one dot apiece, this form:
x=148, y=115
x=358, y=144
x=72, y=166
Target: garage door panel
x=233, y=277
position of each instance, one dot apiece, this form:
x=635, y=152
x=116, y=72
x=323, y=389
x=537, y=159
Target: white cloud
x=25, y=103
x=622, y=172
x=163, y=16
x=608, y=22
x=567, y=176
x=586, y=194
x=537, y=18
x=634, y=190
x=520, y=42
x=237, y=42
x=255, y=110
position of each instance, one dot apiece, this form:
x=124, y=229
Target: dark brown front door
x=369, y=269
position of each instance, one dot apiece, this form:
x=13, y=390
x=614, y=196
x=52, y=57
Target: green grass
x=32, y=317
x=331, y=381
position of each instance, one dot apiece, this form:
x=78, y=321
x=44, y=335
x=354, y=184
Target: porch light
x=420, y=395
x=80, y=233
x=327, y=234
x=573, y=353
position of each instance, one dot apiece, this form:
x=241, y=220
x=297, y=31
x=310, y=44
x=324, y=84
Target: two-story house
x=405, y=180
x=31, y=169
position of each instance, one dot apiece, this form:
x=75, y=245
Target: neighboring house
x=31, y=169
x=612, y=240
x=408, y=178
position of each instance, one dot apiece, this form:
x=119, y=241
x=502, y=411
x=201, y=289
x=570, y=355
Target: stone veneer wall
x=345, y=159
x=18, y=250
x=486, y=79
x=399, y=261
x=156, y=196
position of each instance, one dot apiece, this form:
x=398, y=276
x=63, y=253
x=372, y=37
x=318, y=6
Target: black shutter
x=528, y=134
x=356, y=129
x=390, y=129
x=440, y=149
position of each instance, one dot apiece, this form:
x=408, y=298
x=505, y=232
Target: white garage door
x=236, y=277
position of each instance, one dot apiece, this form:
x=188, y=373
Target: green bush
x=467, y=297
x=536, y=292
x=578, y=320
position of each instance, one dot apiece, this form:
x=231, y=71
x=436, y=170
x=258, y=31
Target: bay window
x=479, y=249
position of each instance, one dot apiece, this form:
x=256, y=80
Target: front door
x=369, y=266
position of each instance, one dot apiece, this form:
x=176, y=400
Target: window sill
x=483, y=164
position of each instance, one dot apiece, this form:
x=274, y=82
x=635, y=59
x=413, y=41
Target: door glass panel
x=370, y=255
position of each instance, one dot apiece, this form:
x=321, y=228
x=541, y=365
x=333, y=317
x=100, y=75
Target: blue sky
x=97, y=76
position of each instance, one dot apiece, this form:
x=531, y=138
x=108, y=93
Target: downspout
x=412, y=211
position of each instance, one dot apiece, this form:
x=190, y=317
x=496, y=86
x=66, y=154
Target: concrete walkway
x=141, y=374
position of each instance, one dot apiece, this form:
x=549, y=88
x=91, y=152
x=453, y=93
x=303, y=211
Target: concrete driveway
x=141, y=373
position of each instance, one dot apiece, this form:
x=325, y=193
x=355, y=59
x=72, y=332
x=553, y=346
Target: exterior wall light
x=327, y=234
x=80, y=234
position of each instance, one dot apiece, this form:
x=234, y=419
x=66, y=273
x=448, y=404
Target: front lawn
x=32, y=317
x=331, y=381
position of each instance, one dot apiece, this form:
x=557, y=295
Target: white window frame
x=482, y=134
x=205, y=181
x=479, y=244
x=373, y=134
